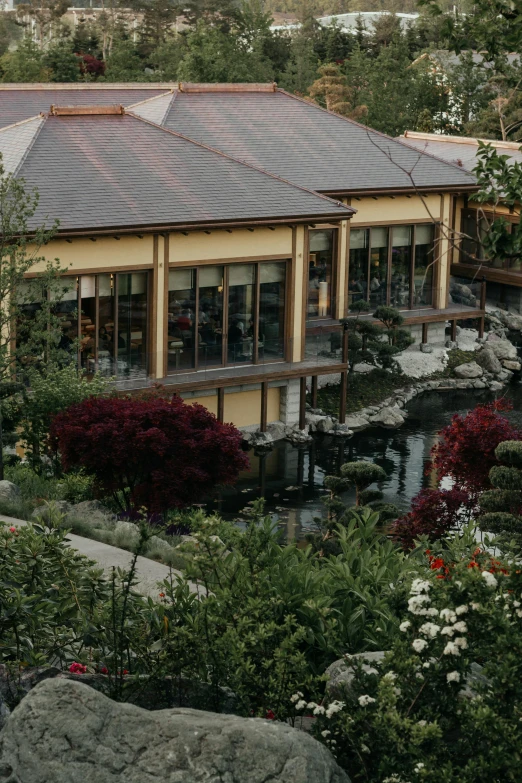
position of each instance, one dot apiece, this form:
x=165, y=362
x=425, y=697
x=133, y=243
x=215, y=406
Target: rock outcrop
x=469, y=370
x=9, y=491
x=66, y=732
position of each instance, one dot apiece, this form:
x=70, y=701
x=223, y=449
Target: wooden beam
x=221, y=404
x=344, y=357
x=264, y=406
x=302, y=402
x=314, y=390
x=343, y=395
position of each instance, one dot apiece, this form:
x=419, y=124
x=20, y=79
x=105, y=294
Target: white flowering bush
x=445, y=705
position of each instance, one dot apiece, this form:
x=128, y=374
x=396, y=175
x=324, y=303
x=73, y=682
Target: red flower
x=437, y=563
x=104, y=670
x=441, y=576
x=270, y=715
x=473, y=564
x=77, y=668
x=162, y=595
x=12, y=530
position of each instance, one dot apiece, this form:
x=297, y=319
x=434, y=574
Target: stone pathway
x=150, y=573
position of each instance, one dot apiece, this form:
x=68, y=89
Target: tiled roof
x=19, y=102
x=306, y=144
x=459, y=150
x=153, y=109
x=15, y=141
x=116, y=171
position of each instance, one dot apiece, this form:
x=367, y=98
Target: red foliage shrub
x=149, y=452
x=91, y=65
x=433, y=513
x=466, y=450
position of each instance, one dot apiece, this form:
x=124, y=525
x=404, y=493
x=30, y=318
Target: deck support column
x=302, y=402
x=314, y=390
x=424, y=333
x=221, y=404
x=343, y=395
x=264, y=406
x=453, y=329
x=482, y=306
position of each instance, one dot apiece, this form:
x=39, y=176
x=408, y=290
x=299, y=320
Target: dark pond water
x=291, y=478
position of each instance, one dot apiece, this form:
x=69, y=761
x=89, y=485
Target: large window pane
x=241, y=280
x=181, y=319
x=106, y=315
x=358, y=271
x=210, y=316
x=64, y=305
x=378, y=266
x=88, y=323
x=132, y=323
x=424, y=265
x=401, y=266
x=320, y=273
x=272, y=281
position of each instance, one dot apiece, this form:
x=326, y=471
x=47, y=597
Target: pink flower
x=77, y=668
x=12, y=530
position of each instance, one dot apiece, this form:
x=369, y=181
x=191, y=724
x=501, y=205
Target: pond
x=290, y=478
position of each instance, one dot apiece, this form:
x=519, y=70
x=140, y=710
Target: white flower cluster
x=417, y=768
x=365, y=700
x=419, y=645
x=420, y=586
x=429, y=629
x=453, y=677
x=489, y=579
x=317, y=709
x=404, y=626
x=335, y=706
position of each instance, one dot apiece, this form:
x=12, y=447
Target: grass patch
x=364, y=390
x=456, y=357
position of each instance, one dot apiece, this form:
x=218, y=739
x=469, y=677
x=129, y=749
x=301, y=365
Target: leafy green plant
x=503, y=504
x=362, y=474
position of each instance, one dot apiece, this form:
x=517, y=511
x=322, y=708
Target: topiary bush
x=361, y=474
x=502, y=506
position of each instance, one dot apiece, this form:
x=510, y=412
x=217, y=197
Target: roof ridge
x=351, y=210
x=371, y=130
x=213, y=87
x=148, y=100
x=40, y=120
x=94, y=86
x=21, y=122
x=171, y=95
x=446, y=137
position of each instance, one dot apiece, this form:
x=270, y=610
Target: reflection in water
x=290, y=478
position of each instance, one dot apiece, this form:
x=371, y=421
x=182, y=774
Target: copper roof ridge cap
x=93, y=87
x=511, y=145
x=350, y=210
x=116, y=109
x=213, y=87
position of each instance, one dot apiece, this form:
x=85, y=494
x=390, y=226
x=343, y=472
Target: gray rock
x=66, y=732
x=91, y=511
x=503, y=349
x=495, y=386
x=510, y=364
x=340, y=673
x=160, y=543
x=451, y=344
x=276, y=430
x=341, y=431
x=357, y=422
x=325, y=425
x=426, y=348
x=128, y=532
x=468, y=370
x=513, y=322
x=45, y=512
x=261, y=440
x=487, y=359
x=479, y=385
x=389, y=417
x=9, y=491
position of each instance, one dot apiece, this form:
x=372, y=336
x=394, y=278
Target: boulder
x=503, y=349
x=276, y=430
x=261, y=440
x=450, y=344
x=495, y=386
x=43, y=513
x=510, y=364
x=357, y=422
x=9, y=491
x=390, y=416
x=341, y=431
x=325, y=424
x=426, y=348
x=513, y=322
x=487, y=359
x=469, y=370
x=340, y=673
x=91, y=511
x=66, y=732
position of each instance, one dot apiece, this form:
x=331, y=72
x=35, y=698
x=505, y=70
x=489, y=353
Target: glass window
x=400, y=266
x=132, y=323
x=241, y=314
x=378, y=266
x=64, y=306
x=181, y=319
x=424, y=264
x=320, y=273
x=210, y=316
x=474, y=228
x=106, y=346
x=88, y=323
x=271, y=332
x=358, y=270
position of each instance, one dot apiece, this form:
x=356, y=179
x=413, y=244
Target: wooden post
x=343, y=393
x=221, y=404
x=454, y=329
x=264, y=405
x=482, y=306
x=314, y=390
x=302, y=403
x=424, y=333
x=345, y=344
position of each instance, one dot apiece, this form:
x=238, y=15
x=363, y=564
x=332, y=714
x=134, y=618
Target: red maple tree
x=149, y=452
x=466, y=448
x=433, y=513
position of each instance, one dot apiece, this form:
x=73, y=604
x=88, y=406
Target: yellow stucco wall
x=240, y=243
x=243, y=408
x=384, y=208
x=84, y=255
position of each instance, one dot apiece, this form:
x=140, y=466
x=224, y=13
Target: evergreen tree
x=503, y=504
x=24, y=64
x=63, y=64
x=301, y=69
x=124, y=63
